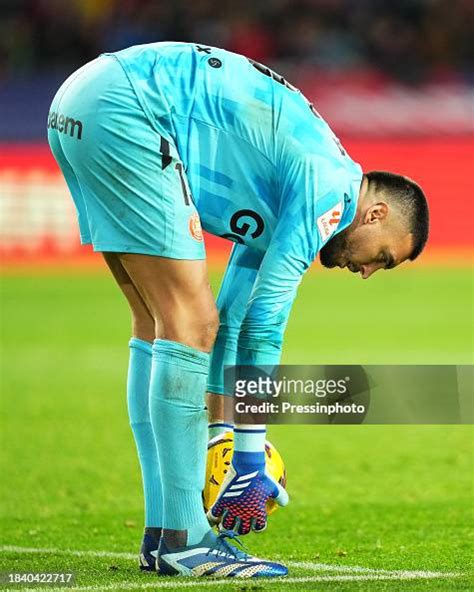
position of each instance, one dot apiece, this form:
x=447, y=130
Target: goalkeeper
x=154, y=141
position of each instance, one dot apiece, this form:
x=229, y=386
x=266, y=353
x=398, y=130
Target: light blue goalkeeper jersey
x=265, y=171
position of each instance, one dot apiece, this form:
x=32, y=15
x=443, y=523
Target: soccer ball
x=219, y=457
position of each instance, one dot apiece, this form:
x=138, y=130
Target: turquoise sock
x=138, y=387
x=179, y=417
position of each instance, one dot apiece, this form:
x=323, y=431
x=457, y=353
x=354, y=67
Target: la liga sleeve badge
x=329, y=221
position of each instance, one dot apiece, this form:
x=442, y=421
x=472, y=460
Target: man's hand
x=240, y=505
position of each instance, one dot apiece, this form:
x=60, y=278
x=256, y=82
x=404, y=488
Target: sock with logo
x=138, y=386
x=179, y=417
x=249, y=448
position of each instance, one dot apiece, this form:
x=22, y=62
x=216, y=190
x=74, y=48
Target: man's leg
x=138, y=386
x=221, y=414
x=177, y=293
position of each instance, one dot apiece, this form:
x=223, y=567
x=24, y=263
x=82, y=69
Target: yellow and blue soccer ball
x=219, y=457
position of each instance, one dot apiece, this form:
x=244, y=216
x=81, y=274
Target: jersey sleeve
x=232, y=301
x=312, y=212
x=290, y=253
x=269, y=306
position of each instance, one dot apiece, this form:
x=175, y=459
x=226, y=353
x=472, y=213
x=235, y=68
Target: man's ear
x=376, y=213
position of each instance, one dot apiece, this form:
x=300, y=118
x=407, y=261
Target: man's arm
x=243, y=495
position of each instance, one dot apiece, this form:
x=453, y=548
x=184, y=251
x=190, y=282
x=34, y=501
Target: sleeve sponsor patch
x=328, y=222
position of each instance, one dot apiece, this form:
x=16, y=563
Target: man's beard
x=330, y=254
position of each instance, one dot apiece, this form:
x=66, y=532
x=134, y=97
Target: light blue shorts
x=126, y=179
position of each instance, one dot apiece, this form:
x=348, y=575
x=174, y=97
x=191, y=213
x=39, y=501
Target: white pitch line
x=368, y=570
x=77, y=553
x=229, y=581
x=332, y=567
x=358, y=573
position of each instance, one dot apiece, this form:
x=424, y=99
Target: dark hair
x=411, y=202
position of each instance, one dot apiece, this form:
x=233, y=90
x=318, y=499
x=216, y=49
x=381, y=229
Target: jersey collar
x=351, y=198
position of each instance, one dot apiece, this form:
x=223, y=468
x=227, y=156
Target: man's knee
x=192, y=325
x=209, y=330
x=198, y=330
x=177, y=294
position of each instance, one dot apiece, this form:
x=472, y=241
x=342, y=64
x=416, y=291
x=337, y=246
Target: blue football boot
x=148, y=552
x=215, y=557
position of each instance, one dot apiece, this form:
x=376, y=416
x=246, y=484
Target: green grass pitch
x=372, y=507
